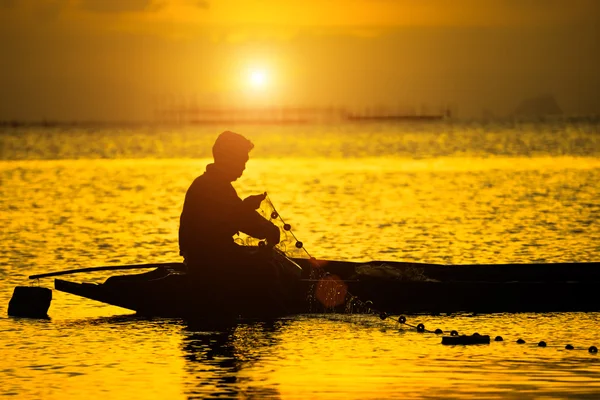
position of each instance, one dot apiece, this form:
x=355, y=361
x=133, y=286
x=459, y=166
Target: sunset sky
x=120, y=60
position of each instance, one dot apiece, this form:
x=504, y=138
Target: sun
x=258, y=78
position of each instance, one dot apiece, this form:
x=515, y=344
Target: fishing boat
x=309, y=286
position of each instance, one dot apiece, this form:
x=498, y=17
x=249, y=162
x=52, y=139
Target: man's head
x=230, y=152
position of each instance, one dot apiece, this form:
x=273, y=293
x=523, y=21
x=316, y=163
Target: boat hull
x=174, y=296
x=167, y=292
x=479, y=297
x=392, y=287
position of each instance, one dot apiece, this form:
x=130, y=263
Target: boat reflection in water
x=173, y=358
x=217, y=361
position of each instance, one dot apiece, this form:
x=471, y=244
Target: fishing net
x=288, y=244
x=326, y=292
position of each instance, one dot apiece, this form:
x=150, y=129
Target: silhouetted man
x=213, y=213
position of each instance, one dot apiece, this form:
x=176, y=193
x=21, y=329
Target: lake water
x=439, y=193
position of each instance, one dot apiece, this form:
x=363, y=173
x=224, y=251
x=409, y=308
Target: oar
x=176, y=265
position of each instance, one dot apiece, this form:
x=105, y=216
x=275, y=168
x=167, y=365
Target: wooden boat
x=393, y=287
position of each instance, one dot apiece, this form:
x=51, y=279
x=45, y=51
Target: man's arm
x=220, y=209
x=253, y=224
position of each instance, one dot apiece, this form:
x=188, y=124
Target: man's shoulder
x=199, y=180
x=205, y=183
x=201, y=183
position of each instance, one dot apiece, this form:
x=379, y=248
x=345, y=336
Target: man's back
x=208, y=220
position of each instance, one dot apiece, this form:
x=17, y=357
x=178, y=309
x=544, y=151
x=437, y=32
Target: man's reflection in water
x=219, y=362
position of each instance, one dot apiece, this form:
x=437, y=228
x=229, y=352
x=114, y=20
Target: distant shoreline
x=350, y=119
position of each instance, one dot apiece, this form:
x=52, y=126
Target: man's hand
x=273, y=237
x=253, y=202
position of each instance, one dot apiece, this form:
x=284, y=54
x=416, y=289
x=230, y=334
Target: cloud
x=121, y=6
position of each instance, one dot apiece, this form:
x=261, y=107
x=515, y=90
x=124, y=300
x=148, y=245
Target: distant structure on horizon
x=540, y=106
x=246, y=115
x=397, y=117
x=288, y=115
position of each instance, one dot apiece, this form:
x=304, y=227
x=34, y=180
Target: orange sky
x=111, y=59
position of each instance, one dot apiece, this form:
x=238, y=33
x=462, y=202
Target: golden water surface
x=470, y=194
